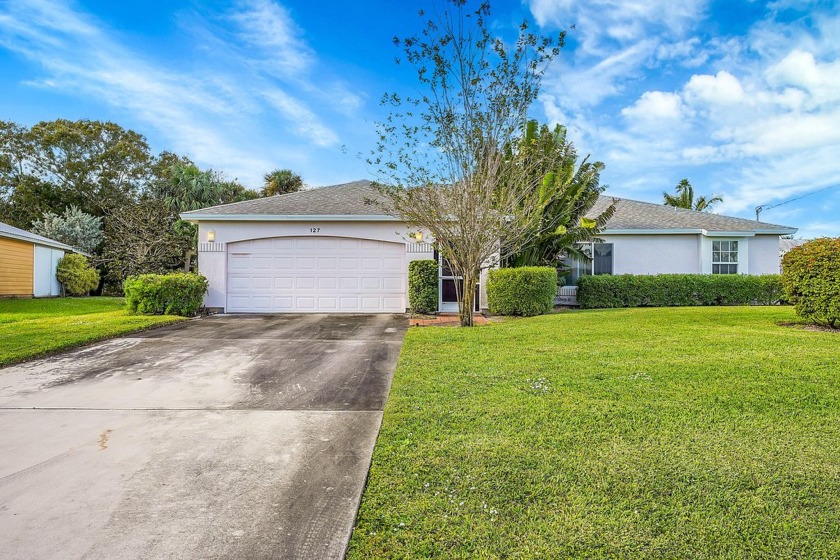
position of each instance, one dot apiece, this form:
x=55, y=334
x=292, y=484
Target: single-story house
x=331, y=250
x=28, y=263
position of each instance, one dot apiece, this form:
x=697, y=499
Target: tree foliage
x=73, y=227
x=444, y=156
x=281, y=181
x=567, y=193
x=141, y=238
x=93, y=165
x=684, y=198
x=76, y=275
x=811, y=278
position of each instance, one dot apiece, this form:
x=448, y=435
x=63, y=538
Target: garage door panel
x=284, y=282
x=305, y=263
x=327, y=283
x=305, y=282
x=315, y=274
x=348, y=283
x=392, y=283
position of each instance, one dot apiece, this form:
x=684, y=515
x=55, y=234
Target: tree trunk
x=467, y=302
x=188, y=261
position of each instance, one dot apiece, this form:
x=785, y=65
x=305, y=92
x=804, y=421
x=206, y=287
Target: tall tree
x=185, y=187
x=684, y=198
x=142, y=238
x=94, y=165
x=444, y=157
x=567, y=193
x=281, y=181
x=73, y=227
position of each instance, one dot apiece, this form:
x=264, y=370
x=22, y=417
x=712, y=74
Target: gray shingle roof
x=12, y=232
x=348, y=199
x=637, y=215
x=353, y=199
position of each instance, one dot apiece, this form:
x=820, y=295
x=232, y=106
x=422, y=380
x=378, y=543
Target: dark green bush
x=423, y=286
x=526, y=291
x=674, y=290
x=76, y=275
x=165, y=294
x=811, y=279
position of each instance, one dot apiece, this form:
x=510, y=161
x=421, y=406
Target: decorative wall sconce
x=211, y=236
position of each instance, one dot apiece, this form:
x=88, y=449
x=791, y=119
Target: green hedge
x=423, y=286
x=76, y=275
x=811, y=279
x=672, y=290
x=526, y=291
x=165, y=294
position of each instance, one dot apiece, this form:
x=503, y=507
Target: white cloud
x=655, y=106
x=213, y=115
x=721, y=89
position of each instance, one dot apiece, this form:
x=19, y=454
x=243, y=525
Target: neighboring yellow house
x=28, y=263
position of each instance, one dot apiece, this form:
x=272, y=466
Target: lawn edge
x=89, y=342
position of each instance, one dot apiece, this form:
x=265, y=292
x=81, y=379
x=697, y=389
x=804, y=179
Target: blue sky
x=741, y=97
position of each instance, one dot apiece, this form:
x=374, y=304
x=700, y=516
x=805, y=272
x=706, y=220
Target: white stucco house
x=331, y=250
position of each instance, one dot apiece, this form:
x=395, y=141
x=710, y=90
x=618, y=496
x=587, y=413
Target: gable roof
x=633, y=216
x=347, y=199
x=353, y=201
x=11, y=232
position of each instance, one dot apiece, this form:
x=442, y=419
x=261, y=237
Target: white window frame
x=737, y=251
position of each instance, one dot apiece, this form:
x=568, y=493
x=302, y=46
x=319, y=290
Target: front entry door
x=447, y=282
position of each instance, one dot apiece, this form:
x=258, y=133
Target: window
x=724, y=257
x=600, y=262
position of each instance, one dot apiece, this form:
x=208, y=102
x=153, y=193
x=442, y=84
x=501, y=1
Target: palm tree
x=281, y=181
x=684, y=198
x=568, y=192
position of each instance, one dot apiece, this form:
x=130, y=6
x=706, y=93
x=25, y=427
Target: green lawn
x=638, y=433
x=35, y=327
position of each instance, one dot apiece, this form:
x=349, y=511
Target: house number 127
x=314, y=229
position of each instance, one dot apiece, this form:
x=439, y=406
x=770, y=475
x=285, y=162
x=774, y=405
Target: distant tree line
x=98, y=187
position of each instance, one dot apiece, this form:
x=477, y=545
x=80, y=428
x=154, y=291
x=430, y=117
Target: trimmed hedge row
x=423, y=286
x=165, y=294
x=525, y=291
x=674, y=290
x=811, y=278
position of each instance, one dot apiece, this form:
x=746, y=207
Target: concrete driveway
x=228, y=436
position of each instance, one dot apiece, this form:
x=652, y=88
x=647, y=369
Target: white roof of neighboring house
x=11, y=232
x=786, y=245
x=358, y=201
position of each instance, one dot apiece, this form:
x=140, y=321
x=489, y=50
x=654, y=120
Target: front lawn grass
x=36, y=327
x=634, y=433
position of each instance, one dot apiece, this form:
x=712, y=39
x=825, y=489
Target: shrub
x=811, y=279
x=76, y=275
x=674, y=290
x=165, y=294
x=526, y=291
x=423, y=286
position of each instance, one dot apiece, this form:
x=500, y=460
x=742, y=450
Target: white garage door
x=316, y=274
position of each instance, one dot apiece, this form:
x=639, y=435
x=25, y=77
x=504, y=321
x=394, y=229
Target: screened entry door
x=449, y=286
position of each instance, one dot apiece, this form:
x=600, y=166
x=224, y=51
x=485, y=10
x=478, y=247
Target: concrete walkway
x=225, y=437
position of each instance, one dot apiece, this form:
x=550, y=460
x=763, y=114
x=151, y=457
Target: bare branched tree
x=448, y=159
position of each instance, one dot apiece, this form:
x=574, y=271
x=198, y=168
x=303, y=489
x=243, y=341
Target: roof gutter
x=189, y=217
x=705, y=232
x=51, y=244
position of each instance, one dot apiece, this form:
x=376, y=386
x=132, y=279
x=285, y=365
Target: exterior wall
x=655, y=254
x=16, y=267
x=212, y=256
x=45, y=265
x=690, y=254
x=764, y=257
